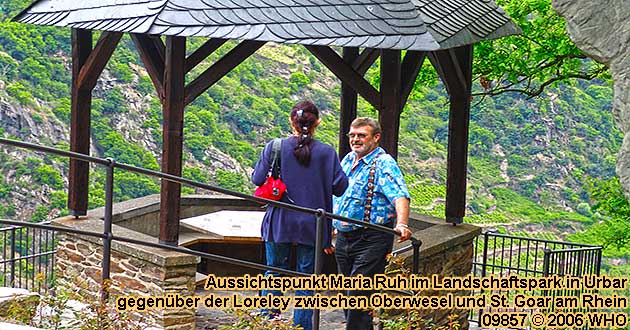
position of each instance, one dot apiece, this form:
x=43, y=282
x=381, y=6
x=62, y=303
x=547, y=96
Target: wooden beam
x=348, y=103
x=151, y=50
x=455, y=67
x=411, y=65
x=449, y=70
x=172, y=136
x=364, y=61
x=159, y=46
x=346, y=73
x=460, y=68
x=81, y=102
x=389, y=114
x=228, y=62
x=202, y=52
x=97, y=60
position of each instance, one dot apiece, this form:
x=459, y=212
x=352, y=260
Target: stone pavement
x=209, y=319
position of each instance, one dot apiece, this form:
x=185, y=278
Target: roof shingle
x=398, y=24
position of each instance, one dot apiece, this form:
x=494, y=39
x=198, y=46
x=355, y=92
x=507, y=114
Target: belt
x=353, y=233
x=359, y=231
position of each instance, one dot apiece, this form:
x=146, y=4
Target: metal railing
x=107, y=236
x=505, y=255
x=28, y=257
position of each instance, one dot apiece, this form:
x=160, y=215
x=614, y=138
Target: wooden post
x=455, y=68
x=348, y=104
x=391, y=106
x=172, y=136
x=81, y=102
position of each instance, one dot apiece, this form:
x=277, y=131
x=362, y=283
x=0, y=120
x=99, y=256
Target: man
x=361, y=250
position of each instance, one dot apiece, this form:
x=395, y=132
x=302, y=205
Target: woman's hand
x=329, y=250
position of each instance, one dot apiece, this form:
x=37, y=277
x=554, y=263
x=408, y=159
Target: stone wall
x=446, y=250
x=135, y=270
x=601, y=29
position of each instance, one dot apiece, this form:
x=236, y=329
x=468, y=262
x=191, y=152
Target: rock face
x=602, y=30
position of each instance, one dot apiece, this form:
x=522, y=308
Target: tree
x=541, y=56
x=611, y=203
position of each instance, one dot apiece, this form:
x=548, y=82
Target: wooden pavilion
x=443, y=31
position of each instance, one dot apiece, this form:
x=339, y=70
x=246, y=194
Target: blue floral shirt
x=390, y=186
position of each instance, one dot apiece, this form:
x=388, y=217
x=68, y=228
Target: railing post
x=598, y=264
x=12, y=278
x=484, y=264
x=319, y=236
x=107, y=229
x=416, y=243
x=485, y=254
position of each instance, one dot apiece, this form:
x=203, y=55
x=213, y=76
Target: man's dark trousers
x=361, y=251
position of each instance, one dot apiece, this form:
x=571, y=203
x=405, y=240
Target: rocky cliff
x=601, y=28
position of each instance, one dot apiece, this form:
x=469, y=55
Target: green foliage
x=410, y=318
x=424, y=194
x=5, y=189
x=46, y=174
x=58, y=200
x=122, y=71
x=613, y=206
x=128, y=185
x=114, y=102
x=230, y=180
x=21, y=93
x=41, y=214
x=62, y=110
x=121, y=150
x=145, y=85
x=8, y=66
x=195, y=174
x=519, y=206
x=298, y=81
x=539, y=57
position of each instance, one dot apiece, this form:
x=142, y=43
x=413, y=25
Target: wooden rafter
x=450, y=70
x=97, y=60
x=219, y=69
x=410, y=67
x=348, y=103
x=346, y=73
x=152, y=53
x=365, y=60
x=203, y=52
x=389, y=114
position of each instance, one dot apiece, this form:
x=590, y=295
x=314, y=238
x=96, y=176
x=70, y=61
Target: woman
x=311, y=171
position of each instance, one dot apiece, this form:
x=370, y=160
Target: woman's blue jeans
x=278, y=256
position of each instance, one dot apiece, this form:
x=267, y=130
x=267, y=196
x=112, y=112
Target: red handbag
x=273, y=188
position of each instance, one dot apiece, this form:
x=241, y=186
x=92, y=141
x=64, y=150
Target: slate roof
x=395, y=24
x=461, y=22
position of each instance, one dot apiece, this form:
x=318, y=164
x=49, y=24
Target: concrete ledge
x=157, y=256
x=143, y=214
x=437, y=235
x=149, y=204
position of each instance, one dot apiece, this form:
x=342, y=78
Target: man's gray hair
x=367, y=121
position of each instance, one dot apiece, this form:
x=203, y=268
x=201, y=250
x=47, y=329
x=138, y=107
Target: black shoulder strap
x=276, y=148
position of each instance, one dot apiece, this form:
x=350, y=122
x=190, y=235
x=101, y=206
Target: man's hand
x=402, y=218
x=329, y=250
x=405, y=232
